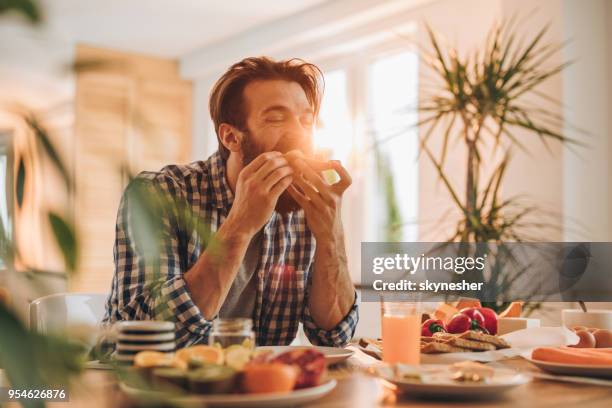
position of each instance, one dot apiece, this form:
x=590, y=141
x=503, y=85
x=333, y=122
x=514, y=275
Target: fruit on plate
x=170, y=377
x=261, y=356
x=587, y=339
x=515, y=309
x=149, y=359
x=459, y=323
x=269, y=377
x=237, y=356
x=431, y=326
x=444, y=312
x=462, y=322
x=212, y=379
x=491, y=319
x=465, y=302
x=202, y=353
x=478, y=320
x=310, y=362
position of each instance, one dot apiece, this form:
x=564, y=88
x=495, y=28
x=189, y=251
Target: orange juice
x=401, y=337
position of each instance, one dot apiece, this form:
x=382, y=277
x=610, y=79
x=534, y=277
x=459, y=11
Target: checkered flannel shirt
x=284, y=271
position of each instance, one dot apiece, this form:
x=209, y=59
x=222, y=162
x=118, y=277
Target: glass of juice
x=401, y=332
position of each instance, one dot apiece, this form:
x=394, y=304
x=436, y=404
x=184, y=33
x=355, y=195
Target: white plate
x=242, y=400
x=574, y=369
x=333, y=355
x=442, y=385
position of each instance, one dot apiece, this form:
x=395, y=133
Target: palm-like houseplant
x=479, y=101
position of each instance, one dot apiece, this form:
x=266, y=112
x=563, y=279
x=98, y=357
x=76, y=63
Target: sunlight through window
x=333, y=138
x=392, y=101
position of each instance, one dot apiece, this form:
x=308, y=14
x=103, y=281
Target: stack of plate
x=136, y=336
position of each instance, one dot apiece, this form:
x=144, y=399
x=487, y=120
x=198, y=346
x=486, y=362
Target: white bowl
x=601, y=319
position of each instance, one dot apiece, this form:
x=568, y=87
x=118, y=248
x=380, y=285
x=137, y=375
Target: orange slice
x=514, y=310
x=152, y=359
x=202, y=353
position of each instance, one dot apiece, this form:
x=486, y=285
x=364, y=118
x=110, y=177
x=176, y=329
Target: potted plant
x=479, y=102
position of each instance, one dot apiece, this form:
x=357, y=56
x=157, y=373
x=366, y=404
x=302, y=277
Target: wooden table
x=357, y=389
x=360, y=390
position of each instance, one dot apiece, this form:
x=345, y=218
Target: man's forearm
x=210, y=278
x=332, y=293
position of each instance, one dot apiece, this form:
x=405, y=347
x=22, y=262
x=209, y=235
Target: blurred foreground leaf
x=20, y=182
x=26, y=8
x=32, y=360
x=66, y=239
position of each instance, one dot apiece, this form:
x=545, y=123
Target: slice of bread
x=471, y=344
x=438, y=347
x=498, y=342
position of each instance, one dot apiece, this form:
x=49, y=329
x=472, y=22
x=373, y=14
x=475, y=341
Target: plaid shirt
x=284, y=271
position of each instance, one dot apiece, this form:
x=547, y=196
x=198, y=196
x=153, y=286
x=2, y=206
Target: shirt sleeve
x=338, y=336
x=149, y=282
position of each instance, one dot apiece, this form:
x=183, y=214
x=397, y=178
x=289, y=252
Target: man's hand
x=332, y=293
x=258, y=187
x=321, y=202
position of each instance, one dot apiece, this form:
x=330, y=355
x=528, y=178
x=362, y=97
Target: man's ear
x=230, y=137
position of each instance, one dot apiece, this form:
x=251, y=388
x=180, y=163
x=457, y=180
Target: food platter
x=436, y=381
x=291, y=398
x=333, y=355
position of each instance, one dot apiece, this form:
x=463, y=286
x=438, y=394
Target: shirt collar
x=222, y=193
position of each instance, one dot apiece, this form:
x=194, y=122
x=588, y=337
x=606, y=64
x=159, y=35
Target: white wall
x=587, y=174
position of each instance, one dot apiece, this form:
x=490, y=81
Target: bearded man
x=279, y=254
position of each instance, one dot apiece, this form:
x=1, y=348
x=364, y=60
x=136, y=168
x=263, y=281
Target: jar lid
x=238, y=324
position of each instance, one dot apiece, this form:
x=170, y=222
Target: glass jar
x=227, y=332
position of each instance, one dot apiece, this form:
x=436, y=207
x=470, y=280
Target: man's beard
x=250, y=150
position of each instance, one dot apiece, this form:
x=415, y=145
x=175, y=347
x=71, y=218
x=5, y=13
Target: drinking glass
x=401, y=332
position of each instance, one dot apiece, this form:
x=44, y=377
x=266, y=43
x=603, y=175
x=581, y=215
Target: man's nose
x=297, y=136
x=297, y=131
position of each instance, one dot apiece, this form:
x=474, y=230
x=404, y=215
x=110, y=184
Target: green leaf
x=20, y=182
x=32, y=360
x=42, y=137
x=66, y=239
x=27, y=8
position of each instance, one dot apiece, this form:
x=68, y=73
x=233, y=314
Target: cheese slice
x=467, y=302
x=444, y=311
x=510, y=324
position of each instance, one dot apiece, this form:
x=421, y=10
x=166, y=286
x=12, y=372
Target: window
x=367, y=121
x=392, y=100
x=334, y=136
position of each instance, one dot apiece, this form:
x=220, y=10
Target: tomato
x=459, y=323
x=490, y=319
x=478, y=320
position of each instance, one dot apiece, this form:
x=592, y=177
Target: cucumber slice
x=212, y=379
x=170, y=377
